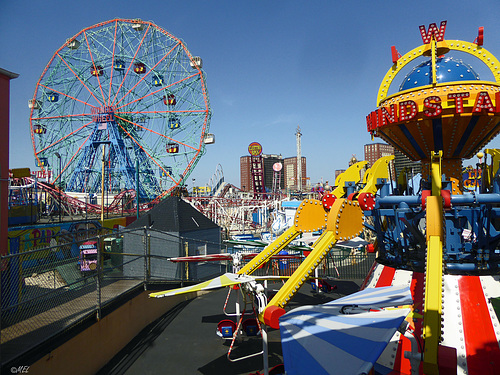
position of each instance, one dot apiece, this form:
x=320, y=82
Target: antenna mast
x=298, y=134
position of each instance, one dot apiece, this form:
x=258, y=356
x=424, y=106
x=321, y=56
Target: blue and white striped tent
x=342, y=336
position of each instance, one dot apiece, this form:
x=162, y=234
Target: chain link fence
x=340, y=263
x=47, y=290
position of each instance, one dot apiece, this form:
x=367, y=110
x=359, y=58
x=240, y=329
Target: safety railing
x=46, y=290
x=347, y=264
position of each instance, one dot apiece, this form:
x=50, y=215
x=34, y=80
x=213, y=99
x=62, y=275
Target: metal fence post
x=98, y=277
x=145, y=240
x=186, y=249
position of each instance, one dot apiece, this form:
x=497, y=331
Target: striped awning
x=325, y=339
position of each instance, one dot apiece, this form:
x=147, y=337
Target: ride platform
x=184, y=340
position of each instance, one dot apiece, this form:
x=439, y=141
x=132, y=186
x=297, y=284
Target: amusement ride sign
x=255, y=149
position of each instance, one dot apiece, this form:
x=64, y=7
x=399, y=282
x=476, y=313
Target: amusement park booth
x=173, y=228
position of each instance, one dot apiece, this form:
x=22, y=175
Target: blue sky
x=270, y=66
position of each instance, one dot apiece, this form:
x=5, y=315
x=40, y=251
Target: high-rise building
x=401, y=161
x=375, y=151
x=269, y=161
x=338, y=172
x=246, y=183
x=246, y=179
x=290, y=170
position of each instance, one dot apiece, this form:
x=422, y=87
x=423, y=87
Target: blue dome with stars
x=447, y=70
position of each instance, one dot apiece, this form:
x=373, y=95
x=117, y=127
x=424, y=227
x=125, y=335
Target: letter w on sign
x=433, y=31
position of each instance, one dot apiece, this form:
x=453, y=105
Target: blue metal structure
x=471, y=222
x=134, y=89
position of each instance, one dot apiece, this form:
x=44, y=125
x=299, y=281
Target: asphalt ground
x=184, y=340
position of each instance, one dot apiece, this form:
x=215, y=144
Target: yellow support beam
x=495, y=154
x=306, y=269
x=273, y=248
x=379, y=169
x=433, y=305
x=345, y=221
x=436, y=176
x=310, y=217
x=433, y=59
x=434, y=270
x=490, y=172
x=275, y=307
x=353, y=173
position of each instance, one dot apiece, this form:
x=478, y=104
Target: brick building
x=246, y=180
x=375, y=151
x=288, y=172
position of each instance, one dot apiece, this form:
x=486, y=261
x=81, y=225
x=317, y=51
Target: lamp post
x=137, y=188
x=96, y=144
x=60, y=180
x=86, y=197
x=102, y=183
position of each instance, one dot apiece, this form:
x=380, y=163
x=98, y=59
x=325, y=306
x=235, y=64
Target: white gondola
x=138, y=26
x=196, y=62
x=73, y=44
x=33, y=103
x=209, y=139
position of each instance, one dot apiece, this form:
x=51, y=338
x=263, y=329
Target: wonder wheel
x=121, y=105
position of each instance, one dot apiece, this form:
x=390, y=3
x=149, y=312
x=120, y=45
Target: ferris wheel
x=121, y=105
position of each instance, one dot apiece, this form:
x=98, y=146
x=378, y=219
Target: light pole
x=137, y=188
x=60, y=180
x=102, y=183
x=86, y=197
x=96, y=144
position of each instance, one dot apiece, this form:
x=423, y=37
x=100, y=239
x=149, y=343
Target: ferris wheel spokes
x=173, y=140
x=143, y=152
x=130, y=65
x=119, y=160
x=142, y=78
x=79, y=79
x=62, y=139
x=67, y=96
x=70, y=160
x=157, y=91
x=112, y=63
x=146, y=75
x=97, y=75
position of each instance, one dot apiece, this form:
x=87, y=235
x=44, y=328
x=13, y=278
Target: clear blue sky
x=270, y=65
